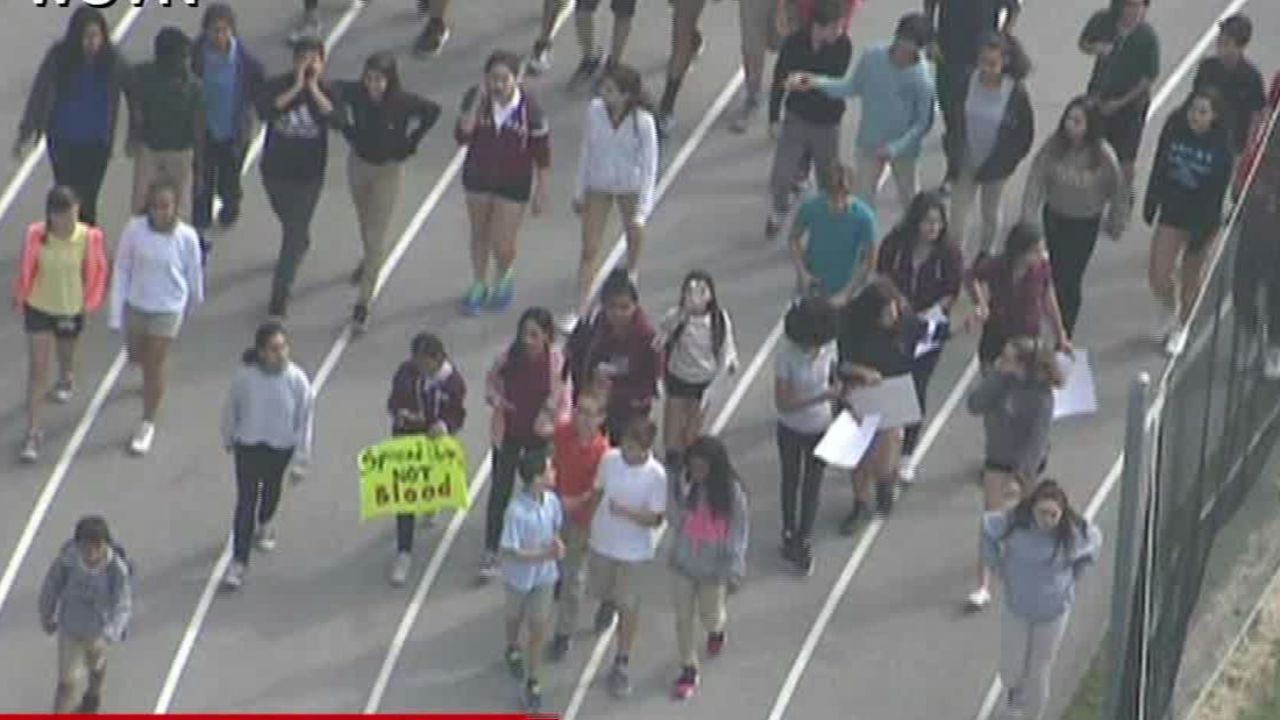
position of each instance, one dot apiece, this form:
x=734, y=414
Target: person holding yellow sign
x=428, y=396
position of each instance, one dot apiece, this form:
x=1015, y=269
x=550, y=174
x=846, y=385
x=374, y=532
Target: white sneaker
x=141, y=443
x=234, y=578
x=906, y=471
x=539, y=62
x=61, y=393
x=978, y=599
x=567, y=322
x=265, y=538
x=1271, y=368
x=1166, y=323
x=400, y=569
x=1176, y=343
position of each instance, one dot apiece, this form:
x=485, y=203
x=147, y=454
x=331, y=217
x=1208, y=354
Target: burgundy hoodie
x=440, y=398
x=634, y=358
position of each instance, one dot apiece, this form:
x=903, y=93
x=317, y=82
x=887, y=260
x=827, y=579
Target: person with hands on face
x=1015, y=400
x=428, y=396
x=531, y=550
x=809, y=134
x=618, y=165
x=833, y=241
x=507, y=170
x=86, y=600
x=267, y=423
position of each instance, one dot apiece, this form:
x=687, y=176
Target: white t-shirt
x=641, y=487
x=809, y=376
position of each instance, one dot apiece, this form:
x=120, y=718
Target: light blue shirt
x=897, y=103
x=530, y=525
x=220, y=75
x=1039, y=577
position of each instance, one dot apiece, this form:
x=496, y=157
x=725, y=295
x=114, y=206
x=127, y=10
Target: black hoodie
x=1189, y=178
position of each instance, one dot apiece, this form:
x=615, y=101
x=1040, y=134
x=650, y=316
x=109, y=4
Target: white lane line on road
x=36, y=153
x=482, y=476
x=192, y=631
x=36, y=517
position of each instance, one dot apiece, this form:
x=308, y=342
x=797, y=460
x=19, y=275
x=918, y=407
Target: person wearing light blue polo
x=839, y=254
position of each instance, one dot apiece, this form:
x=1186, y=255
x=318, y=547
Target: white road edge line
x=41, y=508
x=192, y=632
x=482, y=476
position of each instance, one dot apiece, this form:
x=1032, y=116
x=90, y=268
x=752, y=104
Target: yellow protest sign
x=413, y=474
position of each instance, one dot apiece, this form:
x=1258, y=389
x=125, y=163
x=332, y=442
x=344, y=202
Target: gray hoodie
x=1016, y=414
x=1039, y=577
x=704, y=547
x=87, y=603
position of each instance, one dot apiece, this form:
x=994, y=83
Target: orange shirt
x=576, y=463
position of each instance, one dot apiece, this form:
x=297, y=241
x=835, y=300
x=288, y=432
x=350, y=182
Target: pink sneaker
x=715, y=643
x=686, y=683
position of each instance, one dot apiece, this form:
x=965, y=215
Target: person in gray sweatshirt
x=708, y=511
x=1040, y=549
x=86, y=600
x=267, y=425
x=1015, y=400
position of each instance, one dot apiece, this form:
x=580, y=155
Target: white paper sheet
x=934, y=318
x=1078, y=395
x=894, y=400
x=847, y=440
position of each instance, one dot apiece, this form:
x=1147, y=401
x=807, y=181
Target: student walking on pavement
x=896, y=87
x=805, y=387
x=428, y=396
x=614, y=352
x=86, y=600
x=1015, y=400
x=1237, y=80
x=698, y=348
x=232, y=79
x=1126, y=64
x=298, y=109
x=687, y=45
x=926, y=267
x=631, y=502
x=267, y=424
x=1185, y=190
x=584, y=21
x=384, y=124
x=507, y=170
x=578, y=447
x=710, y=526
x=992, y=132
x=1041, y=549
x=62, y=276
x=157, y=277
x=839, y=253
x=166, y=120
x=531, y=547
x=1013, y=294
x=74, y=104
x=1074, y=180
x=529, y=396
x=810, y=132
x=617, y=166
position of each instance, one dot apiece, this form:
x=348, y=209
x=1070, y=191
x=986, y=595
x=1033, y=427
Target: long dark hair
x=542, y=318
x=718, y=489
x=1070, y=527
x=384, y=63
x=1060, y=144
x=1214, y=98
x=908, y=228
x=631, y=85
x=261, y=337
x=719, y=328
x=70, y=49
x=60, y=199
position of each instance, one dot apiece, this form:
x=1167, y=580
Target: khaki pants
x=571, y=568
x=704, y=599
x=175, y=166
x=81, y=664
x=988, y=194
x=868, y=169
x=374, y=189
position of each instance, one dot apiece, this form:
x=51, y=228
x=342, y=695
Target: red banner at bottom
x=314, y=716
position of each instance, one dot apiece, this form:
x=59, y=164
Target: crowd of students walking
x=581, y=486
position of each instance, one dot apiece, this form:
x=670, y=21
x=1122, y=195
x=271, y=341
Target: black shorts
x=63, y=326
x=677, y=388
x=1180, y=217
x=621, y=8
x=1124, y=130
x=1010, y=470
x=515, y=192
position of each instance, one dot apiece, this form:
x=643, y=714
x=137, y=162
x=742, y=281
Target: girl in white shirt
x=618, y=165
x=698, y=344
x=158, y=274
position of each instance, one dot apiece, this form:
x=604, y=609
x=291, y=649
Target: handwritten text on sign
x=414, y=474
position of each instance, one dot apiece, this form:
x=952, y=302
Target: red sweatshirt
x=629, y=361
x=440, y=398
x=501, y=157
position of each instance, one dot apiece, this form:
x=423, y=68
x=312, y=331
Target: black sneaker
x=533, y=696
x=849, y=525
x=433, y=38
x=804, y=558
x=228, y=215
x=559, y=648
x=604, y=616
x=89, y=704
x=360, y=319
x=358, y=274
x=586, y=72
x=884, y=498
x=788, y=548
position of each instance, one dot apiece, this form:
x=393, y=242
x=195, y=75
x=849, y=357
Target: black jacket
x=1013, y=141
x=1189, y=178
x=38, y=114
x=387, y=132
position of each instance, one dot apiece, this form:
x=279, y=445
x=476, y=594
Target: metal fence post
x=1128, y=530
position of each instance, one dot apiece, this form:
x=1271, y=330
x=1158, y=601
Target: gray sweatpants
x=1027, y=653
x=294, y=203
x=799, y=143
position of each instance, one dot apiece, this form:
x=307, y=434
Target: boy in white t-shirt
x=631, y=498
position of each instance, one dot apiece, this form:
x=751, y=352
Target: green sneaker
x=515, y=663
x=503, y=293
x=473, y=301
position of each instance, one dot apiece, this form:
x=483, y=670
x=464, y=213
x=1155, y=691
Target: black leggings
x=259, y=479
x=921, y=372
x=802, y=473
x=81, y=167
x=506, y=457
x=1071, y=242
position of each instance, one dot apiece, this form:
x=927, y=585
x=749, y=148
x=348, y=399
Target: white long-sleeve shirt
x=619, y=160
x=156, y=272
x=276, y=409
